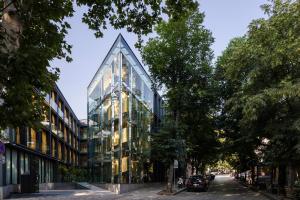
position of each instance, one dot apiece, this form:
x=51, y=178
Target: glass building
x=120, y=118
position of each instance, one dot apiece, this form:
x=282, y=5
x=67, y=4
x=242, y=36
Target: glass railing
x=66, y=120
x=53, y=105
x=46, y=124
x=60, y=134
x=53, y=129
x=60, y=113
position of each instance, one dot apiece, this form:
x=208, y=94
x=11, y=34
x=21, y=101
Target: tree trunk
x=11, y=26
x=170, y=178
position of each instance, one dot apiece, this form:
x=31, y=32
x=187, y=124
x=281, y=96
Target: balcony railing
x=54, y=129
x=66, y=120
x=53, y=105
x=60, y=134
x=60, y=113
x=46, y=124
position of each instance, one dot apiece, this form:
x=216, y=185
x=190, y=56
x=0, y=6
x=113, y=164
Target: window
x=44, y=142
x=106, y=80
x=53, y=148
x=125, y=71
x=18, y=136
x=136, y=83
x=59, y=151
x=22, y=164
x=115, y=167
x=65, y=134
x=14, y=167
x=124, y=164
x=32, y=143
x=115, y=65
x=26, y=164
x=8, y=166
x=124, y=134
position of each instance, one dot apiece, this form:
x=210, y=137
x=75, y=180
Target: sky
x=226, y=19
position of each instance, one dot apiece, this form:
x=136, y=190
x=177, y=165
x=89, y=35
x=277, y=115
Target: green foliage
x=179, y=59
x=25, y=71
x=136, y=16
x=25, y=53
x=259, y=75
x=73, y=173
x=166, y=145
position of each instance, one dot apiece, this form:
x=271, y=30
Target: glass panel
x=115, y=65
x=32, y=143
x=26, y=164
x=125, y=71
x=18, y=136
x=59, y=151
x=8, y=166
x=44, y=142
x=106, y=80
x=136, y=83
x=22, y=166
x=53, y=147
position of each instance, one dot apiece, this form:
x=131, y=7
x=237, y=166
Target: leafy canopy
x=260, y=79
x=32, y=33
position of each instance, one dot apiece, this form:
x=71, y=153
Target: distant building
x=122, y=111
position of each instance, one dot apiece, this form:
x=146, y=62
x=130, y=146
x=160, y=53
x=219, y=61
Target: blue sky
x=225, y=18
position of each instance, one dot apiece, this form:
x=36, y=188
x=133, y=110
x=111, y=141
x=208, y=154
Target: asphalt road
x=223, y=187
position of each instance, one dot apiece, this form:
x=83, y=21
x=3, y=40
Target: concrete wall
x=5, y=191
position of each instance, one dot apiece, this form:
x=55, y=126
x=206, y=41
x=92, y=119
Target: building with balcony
x=42, y=152
x=84, y=141
x=122, y=111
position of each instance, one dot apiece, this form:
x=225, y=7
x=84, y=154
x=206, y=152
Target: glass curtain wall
x=120, y=104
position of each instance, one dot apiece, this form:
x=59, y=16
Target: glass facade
x=120, y=110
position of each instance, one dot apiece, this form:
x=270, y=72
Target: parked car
x=197, y=183
x=212, y=177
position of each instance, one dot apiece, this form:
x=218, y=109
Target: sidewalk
x=265, y=193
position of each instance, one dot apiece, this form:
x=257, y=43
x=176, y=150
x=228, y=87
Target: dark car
x=197, y=183
x=212, y=177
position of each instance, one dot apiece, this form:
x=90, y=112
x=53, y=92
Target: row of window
x=41, y=141
x=57, y=104
x=18, y=163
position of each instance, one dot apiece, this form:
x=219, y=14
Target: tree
x=261, y=76
x=32, y=33
x=179, y=59
x=238, y=140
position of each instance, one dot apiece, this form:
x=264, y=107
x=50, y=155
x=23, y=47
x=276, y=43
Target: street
x=223, y=187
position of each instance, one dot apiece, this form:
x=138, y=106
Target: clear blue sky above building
x=225, y=18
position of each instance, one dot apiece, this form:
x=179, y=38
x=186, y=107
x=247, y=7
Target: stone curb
x=177, y=192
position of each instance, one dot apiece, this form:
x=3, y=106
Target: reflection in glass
x=119, y=118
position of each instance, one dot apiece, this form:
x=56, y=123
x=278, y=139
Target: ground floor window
x=17, y=163
x=8, y=166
